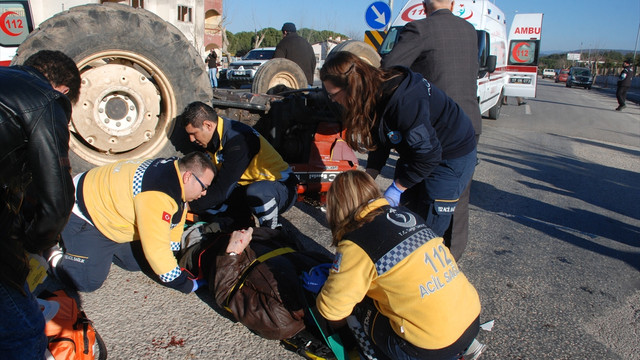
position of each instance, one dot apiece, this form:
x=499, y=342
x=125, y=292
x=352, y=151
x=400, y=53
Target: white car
x=548, y=73
x=243, y=71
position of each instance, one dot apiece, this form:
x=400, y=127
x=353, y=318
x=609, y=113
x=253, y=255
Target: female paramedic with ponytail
x=396, y=277
x=397, y=108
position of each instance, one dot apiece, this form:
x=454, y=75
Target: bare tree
x=225, y=40
x=196, y=44
x=258, y=38
x=355, y=35
x=222, y=26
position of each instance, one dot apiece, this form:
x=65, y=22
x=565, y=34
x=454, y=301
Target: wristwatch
x=231, y=253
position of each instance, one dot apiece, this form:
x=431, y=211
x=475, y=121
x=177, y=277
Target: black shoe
x=522, y=103
x=307, y=346
x=619, y=108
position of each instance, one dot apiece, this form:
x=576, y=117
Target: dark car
x=562, y=75
x=579, y=76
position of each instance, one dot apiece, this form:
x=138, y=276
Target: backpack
x=70, y=333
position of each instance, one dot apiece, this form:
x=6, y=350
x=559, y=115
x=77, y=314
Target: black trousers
x=457, y=235
x=621, y=94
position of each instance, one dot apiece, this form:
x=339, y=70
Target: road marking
x=527, y=109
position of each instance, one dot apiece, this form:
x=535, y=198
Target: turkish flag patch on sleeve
x=166, y=217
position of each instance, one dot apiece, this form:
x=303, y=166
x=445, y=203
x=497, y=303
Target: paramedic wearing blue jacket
x=397, y=108
x=252, y=178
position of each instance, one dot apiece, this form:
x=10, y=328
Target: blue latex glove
x=393, y=194
x=315, y=278
x=198, y=283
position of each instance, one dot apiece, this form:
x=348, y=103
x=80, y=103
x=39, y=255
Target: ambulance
x=508, y=62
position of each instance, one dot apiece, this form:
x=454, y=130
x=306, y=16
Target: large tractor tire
x=138, y=73
x=278, y=71
x=361, y=49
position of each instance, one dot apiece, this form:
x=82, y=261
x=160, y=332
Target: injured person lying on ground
x=259, y=277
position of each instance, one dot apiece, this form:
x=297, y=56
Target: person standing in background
x=519, y=99
x=624, y=83
x=297, y=49
x=444, y=49
x=212, y=63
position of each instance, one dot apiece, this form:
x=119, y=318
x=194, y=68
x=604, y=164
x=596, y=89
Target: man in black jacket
x=624, y=83
x=297, y=49
x=36, y=189
x=444, y=49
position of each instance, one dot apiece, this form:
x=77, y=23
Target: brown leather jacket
x=265, y=295
x=258, y=303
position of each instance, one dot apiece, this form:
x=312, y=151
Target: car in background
x=548, y=73
x=579, y=76
x=562, y=75
x=242, y=72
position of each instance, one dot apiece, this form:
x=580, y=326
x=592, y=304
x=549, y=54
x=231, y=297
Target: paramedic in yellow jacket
x=406, y=288
x=121, y=203
x=252, y=177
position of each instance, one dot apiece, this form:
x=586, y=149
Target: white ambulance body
x=515, y=57
x=524, y=49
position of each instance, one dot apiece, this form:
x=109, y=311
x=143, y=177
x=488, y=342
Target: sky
x=567, y=25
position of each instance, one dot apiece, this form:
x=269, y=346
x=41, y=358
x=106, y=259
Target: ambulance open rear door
x=15, y=26
x=524, y=50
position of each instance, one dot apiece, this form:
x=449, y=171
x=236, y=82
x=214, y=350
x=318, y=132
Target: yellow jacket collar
x=375, y=204
x=175, y=164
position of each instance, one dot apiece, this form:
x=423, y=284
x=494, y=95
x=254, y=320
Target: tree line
x=242, y=42
x=609, y=62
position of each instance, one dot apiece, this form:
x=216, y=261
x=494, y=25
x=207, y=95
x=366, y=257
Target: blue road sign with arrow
x=378, y=15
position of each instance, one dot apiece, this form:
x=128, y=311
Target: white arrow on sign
x=380, y=17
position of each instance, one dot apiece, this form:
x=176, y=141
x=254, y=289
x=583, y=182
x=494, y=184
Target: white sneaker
x=474, y=350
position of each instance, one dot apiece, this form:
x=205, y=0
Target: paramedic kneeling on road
x=397, y=108
x=425, y=308
x=252, y=177
x=131, y=200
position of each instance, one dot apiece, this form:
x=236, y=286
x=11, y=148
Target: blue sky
x=567, y=24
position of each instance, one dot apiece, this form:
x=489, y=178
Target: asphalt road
x=554, y=249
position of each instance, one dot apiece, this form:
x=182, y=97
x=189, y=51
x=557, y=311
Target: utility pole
x=636, y=49
x=390, y=14
x=580, y=54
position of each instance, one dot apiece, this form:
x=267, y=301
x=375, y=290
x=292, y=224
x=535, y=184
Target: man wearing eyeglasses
x=125, y=206
x=252, y=179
